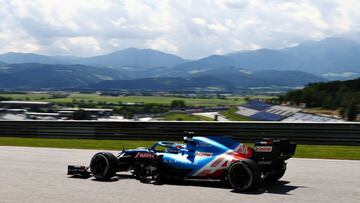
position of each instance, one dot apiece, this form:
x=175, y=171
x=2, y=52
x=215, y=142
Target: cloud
x=162, y=45
x=189, y=28
x=340, y=75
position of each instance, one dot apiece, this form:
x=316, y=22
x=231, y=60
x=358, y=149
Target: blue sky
x=188, y=28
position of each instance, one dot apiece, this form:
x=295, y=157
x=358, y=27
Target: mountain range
x=42, y=76
x=212, y=82
x=313, y=61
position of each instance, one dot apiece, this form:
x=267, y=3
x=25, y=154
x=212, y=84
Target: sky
x=188, y=28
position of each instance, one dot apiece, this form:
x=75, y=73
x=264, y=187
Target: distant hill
x=329, y=95
x=220, y=81
x=287, y=78
x=331, y=55
x=242, y=77
x=163, y=84
x=132, y=57
x=328, y=55
x=14, y=57
x=265, y=59
x=9, y=81
x=135, y=63
x=214, y=62
x=331, y=58
x=37, y=76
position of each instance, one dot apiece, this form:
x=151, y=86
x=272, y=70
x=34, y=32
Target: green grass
x=328, y=152
x=204, y=118
x=74, y=143
x=146, y=100
x=181, y=117
x=128, y=99
x=30, y=96
x=302, y=151
x=185, y=117
x=233, y=116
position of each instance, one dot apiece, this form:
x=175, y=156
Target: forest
x=338, y=95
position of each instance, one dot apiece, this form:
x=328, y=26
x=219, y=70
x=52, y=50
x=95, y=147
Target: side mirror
x=188, y=139
x=189, y=133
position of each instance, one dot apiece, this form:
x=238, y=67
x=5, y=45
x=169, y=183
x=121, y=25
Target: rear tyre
x=244, y=175
x=279, y=172
x=103, y=165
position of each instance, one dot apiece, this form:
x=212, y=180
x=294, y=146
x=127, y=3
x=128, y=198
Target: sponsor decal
x=204, y=154
x=145, y=155
x=263, y=148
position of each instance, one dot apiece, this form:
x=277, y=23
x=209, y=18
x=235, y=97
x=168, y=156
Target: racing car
x=212, y=157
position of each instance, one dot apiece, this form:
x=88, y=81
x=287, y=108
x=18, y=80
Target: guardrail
x=307, y=133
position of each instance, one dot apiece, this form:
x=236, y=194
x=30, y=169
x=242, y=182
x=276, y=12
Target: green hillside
x=342, y=95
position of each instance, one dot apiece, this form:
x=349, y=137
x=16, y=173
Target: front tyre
x=244, y=175
x=103, y=165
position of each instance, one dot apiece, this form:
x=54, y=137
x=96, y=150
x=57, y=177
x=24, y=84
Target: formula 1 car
x=215, y=157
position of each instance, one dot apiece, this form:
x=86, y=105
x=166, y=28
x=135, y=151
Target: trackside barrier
x=306, y=133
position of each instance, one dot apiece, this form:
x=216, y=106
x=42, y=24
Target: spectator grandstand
x=306, y=117
x=246, y=111
x=258, y=110
x=257, y=105
x=265, y=116
x=283, y=110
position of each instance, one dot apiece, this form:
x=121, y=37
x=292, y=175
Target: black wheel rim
x=99, y=165
x=240, y=177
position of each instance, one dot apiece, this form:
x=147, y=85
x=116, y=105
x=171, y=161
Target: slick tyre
x=278, y=173
x=103, y=165
x=244, y=175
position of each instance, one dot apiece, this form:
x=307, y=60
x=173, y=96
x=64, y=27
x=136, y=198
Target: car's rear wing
x=269, y=149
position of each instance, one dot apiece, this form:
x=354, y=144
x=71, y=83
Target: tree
x=81, y=115
x=4, y=99
x=128, y=114
x=342, y=112
x=351, y=112
x=59, y=95
x=328, y=103
x=178, y=103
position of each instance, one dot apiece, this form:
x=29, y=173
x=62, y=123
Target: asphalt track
x=38, y=175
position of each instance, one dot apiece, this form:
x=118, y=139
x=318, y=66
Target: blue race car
x=215, y=157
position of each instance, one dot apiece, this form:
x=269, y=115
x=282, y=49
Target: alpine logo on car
x=242, y=149
x=145, y=155
x=216, y=166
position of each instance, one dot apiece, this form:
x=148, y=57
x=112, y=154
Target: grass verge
x=328, y=152
x=74, y=143
x=180, y=117
x=302, y=151
x=126, y=99
x=233, y=116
